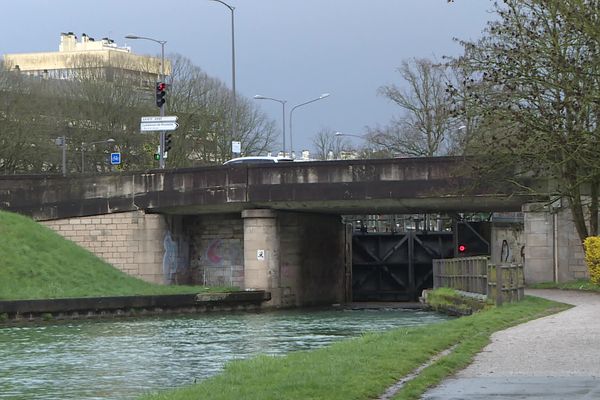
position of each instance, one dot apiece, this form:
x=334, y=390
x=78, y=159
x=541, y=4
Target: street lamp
x=83, y=145
x=233, y=100
x=259, y=97
x=349, y=134
x=324, y=95
x=161, y=160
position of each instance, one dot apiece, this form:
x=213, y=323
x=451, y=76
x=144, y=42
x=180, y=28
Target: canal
x=121, y=359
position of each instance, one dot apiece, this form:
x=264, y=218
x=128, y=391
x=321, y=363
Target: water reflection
x=122, y=359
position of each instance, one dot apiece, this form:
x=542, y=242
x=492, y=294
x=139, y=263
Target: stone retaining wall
x=131, y=241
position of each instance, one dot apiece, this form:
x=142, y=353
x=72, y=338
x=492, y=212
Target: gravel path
x=556, y=357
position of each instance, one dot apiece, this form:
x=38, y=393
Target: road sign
x=236, y=147
x=158, y=126
x=115, y=158
x=166, y=118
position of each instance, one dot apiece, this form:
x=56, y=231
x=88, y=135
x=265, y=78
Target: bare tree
x=329, y=146
x=423, y=127
x=203, y=105
x=534, y=80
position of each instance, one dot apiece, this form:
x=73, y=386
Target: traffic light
x=168, y=141
x=462, y=248
x=157, y=154
x=161, y=91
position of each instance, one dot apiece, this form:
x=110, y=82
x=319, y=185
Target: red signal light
x=462, y=248
x=161, y=88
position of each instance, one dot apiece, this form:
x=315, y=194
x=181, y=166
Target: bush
x=592, y=258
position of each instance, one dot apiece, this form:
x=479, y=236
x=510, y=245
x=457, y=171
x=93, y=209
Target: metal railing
x=501, y=283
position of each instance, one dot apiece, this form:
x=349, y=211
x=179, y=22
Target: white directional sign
x=236, y=147
x=158, y=126
x=166, y=118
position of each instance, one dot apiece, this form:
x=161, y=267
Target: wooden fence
x=501, y=283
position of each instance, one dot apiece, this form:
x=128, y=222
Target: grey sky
x=287, y=49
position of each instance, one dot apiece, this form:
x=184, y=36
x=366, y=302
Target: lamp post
x=321, y=97
x=259, y=97
x=161, y=160
x=233, y=100
x=83, y=145
x=349, y=134
x=62, y=142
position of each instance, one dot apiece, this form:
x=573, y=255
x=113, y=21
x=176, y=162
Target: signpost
x=152, y=124
x=166, y=118
x=158, y=126
x=161, y=124
x=115, y=158
x=236, y=147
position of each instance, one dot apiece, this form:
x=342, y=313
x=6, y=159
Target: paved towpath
x=556, y=357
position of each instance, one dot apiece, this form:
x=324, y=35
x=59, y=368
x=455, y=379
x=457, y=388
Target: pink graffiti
x=212, y=253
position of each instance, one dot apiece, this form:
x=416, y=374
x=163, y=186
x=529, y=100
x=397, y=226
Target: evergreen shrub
x=592, y=258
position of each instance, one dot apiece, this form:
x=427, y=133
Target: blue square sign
x=115, y=158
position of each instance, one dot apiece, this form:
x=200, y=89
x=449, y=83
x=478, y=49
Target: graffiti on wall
x=214, y=252
x=220, y=262
x=169, y=258
x=175, y=259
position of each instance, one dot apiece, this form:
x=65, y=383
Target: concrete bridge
x=274, y=226
x=400, y=185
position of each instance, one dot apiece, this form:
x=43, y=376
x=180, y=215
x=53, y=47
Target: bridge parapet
x=350, y=186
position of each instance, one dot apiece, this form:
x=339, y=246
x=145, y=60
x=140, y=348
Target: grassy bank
x=580, y=284
x=363, y=368
x=37, y=263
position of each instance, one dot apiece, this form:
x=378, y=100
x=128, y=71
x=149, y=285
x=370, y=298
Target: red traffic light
x=462, y=248
x=161, y=88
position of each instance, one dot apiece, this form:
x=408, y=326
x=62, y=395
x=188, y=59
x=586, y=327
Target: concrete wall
x=216, y=249
x=507, y=242
x=131, y=241
x=298, y=257
x=553, y=250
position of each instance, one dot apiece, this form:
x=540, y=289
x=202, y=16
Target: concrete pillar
x=553, y=249
x=261, y=252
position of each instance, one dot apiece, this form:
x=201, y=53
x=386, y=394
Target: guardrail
x=501, y=283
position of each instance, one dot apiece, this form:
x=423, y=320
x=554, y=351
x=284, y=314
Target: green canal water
x=121, y=359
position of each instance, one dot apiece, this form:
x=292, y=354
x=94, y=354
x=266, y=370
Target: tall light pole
x=83, y=144
x=161, y=160
x=321, y=97
x=233, y=100
x=259, y=97
x=62, y=142
x=349, y=134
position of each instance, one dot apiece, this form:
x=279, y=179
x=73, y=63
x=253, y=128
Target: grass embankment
x=364, y=367
x=37, y=263
x=580, y=284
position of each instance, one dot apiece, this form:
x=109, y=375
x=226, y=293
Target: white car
x=257, y=160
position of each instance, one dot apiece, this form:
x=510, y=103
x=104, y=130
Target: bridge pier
x=261, y=253
x=298, y=257
x=553, y=250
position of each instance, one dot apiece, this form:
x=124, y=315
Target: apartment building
x=86, y=57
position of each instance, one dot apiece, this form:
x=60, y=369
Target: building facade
x=87, y=57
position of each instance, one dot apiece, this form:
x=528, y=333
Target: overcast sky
x=293, y=50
